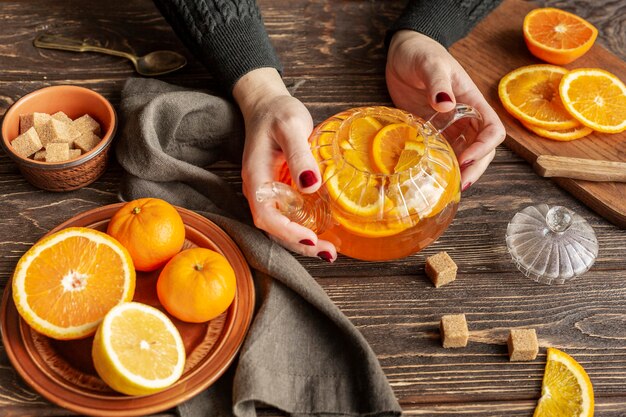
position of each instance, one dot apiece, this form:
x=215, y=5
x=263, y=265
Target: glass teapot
x=391, y=182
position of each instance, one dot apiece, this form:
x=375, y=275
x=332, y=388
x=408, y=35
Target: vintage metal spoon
x=150, y=65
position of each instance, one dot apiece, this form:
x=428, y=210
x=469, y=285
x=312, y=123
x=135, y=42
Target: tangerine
x=151, y=229
x=197, y=285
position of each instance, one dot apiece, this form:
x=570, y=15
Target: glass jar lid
x=551, y=245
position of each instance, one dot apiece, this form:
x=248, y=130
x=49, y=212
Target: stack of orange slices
x=564, y=105
x=552, y=101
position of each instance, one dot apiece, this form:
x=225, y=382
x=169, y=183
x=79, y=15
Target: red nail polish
x=466, y=186
x=307, y=179
x=325, y=255
x=307, y=242
x=466, y=164
x=441, y=97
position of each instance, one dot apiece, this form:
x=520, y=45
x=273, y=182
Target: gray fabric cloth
x=301, y=355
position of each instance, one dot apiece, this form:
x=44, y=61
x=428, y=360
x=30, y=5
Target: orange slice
x=138, y=350
x=557, y=36
x=560, y=135
x=410, y=155
x=566, y=390
x=362, y=132
x=596, y=98
x=388, y=144
x=323, y=146
x=369, y=228
x=357, y=192
x=531, y=94
x=65, y=284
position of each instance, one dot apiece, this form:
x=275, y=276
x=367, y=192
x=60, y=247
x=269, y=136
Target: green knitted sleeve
x=446, y=21
x=227, y=36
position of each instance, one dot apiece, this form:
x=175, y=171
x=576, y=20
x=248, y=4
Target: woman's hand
x=422, y=76
x=277, y=129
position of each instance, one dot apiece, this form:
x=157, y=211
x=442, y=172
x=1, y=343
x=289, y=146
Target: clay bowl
x=73, y=101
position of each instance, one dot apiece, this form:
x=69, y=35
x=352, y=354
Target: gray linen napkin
x=301, y=355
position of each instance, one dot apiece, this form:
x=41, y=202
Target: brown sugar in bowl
x=74, y=101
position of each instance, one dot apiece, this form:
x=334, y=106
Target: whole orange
x=196, y=285
x=151, y=229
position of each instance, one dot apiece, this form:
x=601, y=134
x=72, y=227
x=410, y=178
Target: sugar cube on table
x=57, y=152
x=454, y=331
x=55, y=131
x=27, y=143
x=441, y=269
x=35, y=120
x=62, y=117
x=523, y=345
x=86, y=124
x=87, y=141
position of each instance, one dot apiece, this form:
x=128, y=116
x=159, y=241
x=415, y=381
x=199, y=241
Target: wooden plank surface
x=503, y=47
x=333, y=51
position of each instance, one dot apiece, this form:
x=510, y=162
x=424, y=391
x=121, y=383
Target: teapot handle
x=439, y=122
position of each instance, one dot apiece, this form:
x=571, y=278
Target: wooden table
x=333, y=52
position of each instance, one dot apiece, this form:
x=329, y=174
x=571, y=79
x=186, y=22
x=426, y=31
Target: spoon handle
x=581, y=169
x=48, y=41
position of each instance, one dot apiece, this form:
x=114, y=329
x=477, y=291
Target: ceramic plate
x=62, y=371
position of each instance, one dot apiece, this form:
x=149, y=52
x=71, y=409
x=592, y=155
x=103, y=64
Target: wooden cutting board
x=494, y=48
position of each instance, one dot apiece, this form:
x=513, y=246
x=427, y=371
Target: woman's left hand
x=422, y=76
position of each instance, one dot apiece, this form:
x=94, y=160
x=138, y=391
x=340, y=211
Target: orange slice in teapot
x=355, y=191
x=388, y=144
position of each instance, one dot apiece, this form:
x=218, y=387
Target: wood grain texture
x=502, y=46
x=580, y=168
x=333, y=52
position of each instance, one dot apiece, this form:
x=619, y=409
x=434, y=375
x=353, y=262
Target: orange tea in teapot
x=391, y=183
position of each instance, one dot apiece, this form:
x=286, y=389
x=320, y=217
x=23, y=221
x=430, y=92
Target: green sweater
x=229, y=37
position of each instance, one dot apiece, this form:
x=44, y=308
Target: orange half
x=557, y=36
x=64, y=285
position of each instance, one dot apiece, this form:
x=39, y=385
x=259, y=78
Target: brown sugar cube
x=27, y=143
x=62, y=117
x=55, y=131
x=35, y=120
x=57, y=152
x=523, y=345
x=454, y=332
x=75, y=153
x=441, y=269
x=86, y=141
x=40, y=155
x=85, y=124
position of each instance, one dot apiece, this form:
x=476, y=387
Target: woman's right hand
x=277, y=129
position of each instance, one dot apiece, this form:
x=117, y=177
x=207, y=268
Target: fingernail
x=307, y=242
x=466, y=186
x=325, y=255
x=307, y=179
x=441, y=97
x=466, y=164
